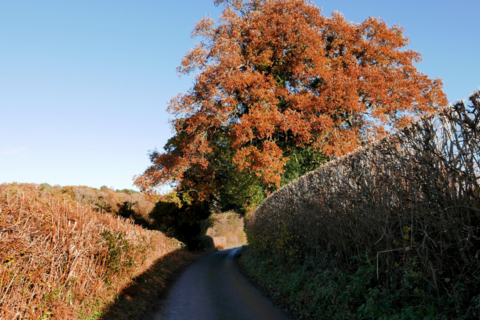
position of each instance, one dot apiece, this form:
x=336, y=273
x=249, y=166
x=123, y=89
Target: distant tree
x=179, y=219
x=127, y=191
x=282, y=87
x=103, y=188
x=46, y=187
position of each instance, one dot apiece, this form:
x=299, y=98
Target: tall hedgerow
x=409, y=203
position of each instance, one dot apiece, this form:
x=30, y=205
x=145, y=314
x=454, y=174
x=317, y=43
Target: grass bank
x=314, y=289
x=61, y=259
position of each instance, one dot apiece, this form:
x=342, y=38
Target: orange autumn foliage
x=272, y=71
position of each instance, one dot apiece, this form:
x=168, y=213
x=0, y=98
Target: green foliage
x=45, y=187
x=119, y=259
x=302, y=161
x=179, y=220
x=314, y=290
x=239, y=189
x=103, y=188
x=229, y=188
x=127, y=191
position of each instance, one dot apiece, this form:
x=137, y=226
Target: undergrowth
x=314, y=289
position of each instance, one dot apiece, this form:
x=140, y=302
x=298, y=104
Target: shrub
x=179, y=219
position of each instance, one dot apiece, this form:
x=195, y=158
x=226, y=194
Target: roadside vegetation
x=222, y=230
x=125, y=203
x=390, y=231
x=63, y=259
x=80, y=252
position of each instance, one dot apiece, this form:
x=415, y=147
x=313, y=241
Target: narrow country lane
x=214, y=288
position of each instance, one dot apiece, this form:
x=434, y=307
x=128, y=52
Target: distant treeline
x=126, y=203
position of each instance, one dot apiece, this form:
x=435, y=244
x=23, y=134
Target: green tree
x=301, y=161
x=179, y=219
x=45, y=186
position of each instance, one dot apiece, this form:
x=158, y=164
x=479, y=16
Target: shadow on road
x=138, y=296
x=214, y=288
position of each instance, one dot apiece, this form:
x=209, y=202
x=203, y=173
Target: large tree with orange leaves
x=275, y=76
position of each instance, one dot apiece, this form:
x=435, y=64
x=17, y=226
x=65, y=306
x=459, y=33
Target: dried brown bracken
x=58, y=256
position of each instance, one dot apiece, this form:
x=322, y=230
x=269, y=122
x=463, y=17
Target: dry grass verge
x=61, y=259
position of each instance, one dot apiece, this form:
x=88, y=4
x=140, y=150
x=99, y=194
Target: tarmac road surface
x=214, y=288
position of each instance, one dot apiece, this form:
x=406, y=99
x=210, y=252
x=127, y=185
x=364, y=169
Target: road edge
x=286, y=310
x=157, y=304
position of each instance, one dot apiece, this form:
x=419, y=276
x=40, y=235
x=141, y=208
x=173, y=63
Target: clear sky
x=84, y=84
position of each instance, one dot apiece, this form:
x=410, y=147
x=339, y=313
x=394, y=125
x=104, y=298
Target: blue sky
x=84, y=84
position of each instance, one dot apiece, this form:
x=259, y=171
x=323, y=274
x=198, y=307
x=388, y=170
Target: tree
x=46, y=186
x=277, y=80
x=221, y=184
x=177, y=218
